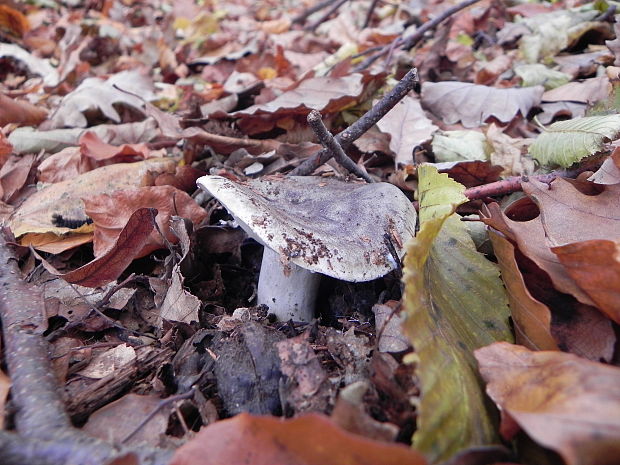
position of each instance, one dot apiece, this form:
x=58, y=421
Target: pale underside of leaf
x=566, y=142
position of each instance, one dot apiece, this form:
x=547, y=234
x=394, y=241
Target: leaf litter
x=110, y=112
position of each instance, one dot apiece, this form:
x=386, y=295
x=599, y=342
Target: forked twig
x=329, y=142
x=368, y=120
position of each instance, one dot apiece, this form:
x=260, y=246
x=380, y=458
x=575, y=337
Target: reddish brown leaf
x=310, y=439
x=595, y=267
x=14, y=174
x=563, y=402
x=20, y=112
x=109, y=265
x=13, y=21
x=93, y=147
x=111, y=211
x=532, y=319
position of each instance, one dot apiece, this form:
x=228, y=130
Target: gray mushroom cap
x=321, y=224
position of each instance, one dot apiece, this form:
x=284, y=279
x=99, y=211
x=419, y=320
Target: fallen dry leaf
x=595, y=267
x=110, y=212
x=531, y=318
x=310, y=439
x=473, y=104
x=20, y=112
x=35, y=215
x=563, y=402
x=408, y=127
x=119, y=419
x=109, y=266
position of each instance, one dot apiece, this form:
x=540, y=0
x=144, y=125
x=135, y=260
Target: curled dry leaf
x=35, y=65
x=563, y=402
x=109, y=266
x=110, y=212
x=595, y=267
x=20, y=112
x=310, y=439
x=65, y=198
x=473, y=104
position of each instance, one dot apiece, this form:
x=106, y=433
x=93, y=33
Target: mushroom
x=311, y=226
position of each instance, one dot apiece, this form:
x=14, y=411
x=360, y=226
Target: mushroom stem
x=288, y=290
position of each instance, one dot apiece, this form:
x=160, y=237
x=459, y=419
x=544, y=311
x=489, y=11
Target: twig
x=328, y=13
x=40, y=415
x=368, y=120
x=409, y=42
x=329, y=142
x=310, y=11
x=513, y=183
x=371, y=10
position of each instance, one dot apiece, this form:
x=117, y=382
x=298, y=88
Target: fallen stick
x=329, y=142
x=368, y=120
x=411, y=41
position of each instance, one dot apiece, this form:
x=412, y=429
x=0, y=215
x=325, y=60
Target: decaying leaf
x=35, y=65
x=311, y=439
x=36, y=214
x=566, y=142
x=473, y=104
x=20, y=112
x=110, y=211
x=455, y=304
x=532, y=319
x=563, y=402
x=109, y=266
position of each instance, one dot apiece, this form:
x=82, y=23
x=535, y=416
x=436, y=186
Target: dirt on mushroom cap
x=324, y=225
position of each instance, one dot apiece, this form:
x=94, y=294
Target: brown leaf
x=325, y=94
x=587, y=91
x=13, y=21
x=19, y=112
x=408, y=127
x=109, y=265
x=35, y=215
x=311, y=439
x=531, y=318
x=473, y=104
x=93, y=147
x=595, y=267
x=563, y=402
x=117, y=420
x=105, y=96
x=92, y=153
x=14, y=175
x=307, y=387
x=111, y=211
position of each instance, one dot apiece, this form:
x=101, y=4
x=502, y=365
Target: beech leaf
x=565, y=403
x=408, y=127
x=473, y=104
x=309, y=439
x=109, y=266
x=566, y=142
x=455, y=303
